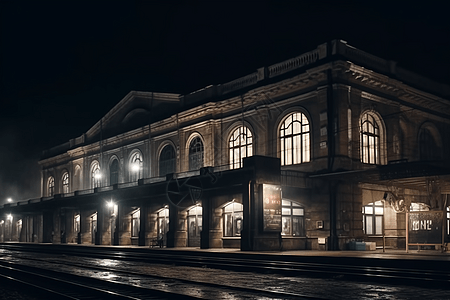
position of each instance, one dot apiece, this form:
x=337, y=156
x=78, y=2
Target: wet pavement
x=330, y=288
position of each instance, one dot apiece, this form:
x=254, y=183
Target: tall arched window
x=114, y=172
x=295, y=140
x=51, y=186
x=370, y=139
x=65, y=183
x=233, y=219
x=167, y=160
x=136, y=166
x=196, y=154
x=428, y=147
x=77, y=185
x=95, y=175
x=241, y=146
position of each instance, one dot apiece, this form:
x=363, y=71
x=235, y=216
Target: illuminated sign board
x=272, y=207
x=425, y=227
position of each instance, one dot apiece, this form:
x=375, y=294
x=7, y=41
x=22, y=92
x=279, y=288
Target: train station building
x=323, y=151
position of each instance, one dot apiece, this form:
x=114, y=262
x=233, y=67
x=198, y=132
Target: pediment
x=136, y=109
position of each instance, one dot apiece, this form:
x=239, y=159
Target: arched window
x=167, y=160
x=65, y=183
x=136, y=166
x=51, y=186
x=241, y=146
x=428, y=147
x=77, y=179
x=233, y=219
x=370, y=139
x=292, y=219
x=95, y=175
x=196, y=154
x=295, y=140
x=135, y=223
x=373, y=218
x=114, y=172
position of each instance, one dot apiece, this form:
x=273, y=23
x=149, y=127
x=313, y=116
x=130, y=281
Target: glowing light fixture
x=10, y=217
x=110, y=204
x=9, y=200
x=135, y=167
x=98, y=175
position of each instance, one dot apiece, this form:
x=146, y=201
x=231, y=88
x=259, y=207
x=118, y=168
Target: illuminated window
x=93, y=227
x=195, y=221
x=292, y=219
x=295, y=141
x=370, y=139
x=65, y=183
x=163, y=223
x=373, y=218
x=136, y=166
x=95, y=175
x=114, y=172
x=448, y=220
x=167, y=161
x=135, y=223
x=76, y=224
x=196, y=154
x=51, y=186
x=233, y=218
x=19, y=229
x=241, y=146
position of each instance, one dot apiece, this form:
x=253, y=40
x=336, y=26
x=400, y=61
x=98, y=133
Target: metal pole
x=407, y=228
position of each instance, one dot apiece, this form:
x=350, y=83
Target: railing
x=186, y=174
x=239, y=83
x=127, y=184
x=85, y=192
x=297, y=62
x=154, y=180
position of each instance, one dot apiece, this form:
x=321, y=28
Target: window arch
x=295, y=139
x=136, y=166
x=371, y=139
x=167, y=160
x=429, y=143
x=65, y=183
x=95, y=175
x=114, y=172
x=233, y=219
x=293, y=222
x=196, y=154
x=50, y=186
x=240, y=146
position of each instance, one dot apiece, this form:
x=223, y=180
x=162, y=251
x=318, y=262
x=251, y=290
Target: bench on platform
x=156, y=242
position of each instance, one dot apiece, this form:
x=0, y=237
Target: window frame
x=51, y=186
x=374, y=218
x=169, y=165
x=65, y=183
x=196, y=153
x=295, y=140
x=238, y=145
x=236, y=217
x=292, y=216
x=370, y=142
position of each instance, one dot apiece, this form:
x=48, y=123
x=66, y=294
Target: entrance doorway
x=194, y=226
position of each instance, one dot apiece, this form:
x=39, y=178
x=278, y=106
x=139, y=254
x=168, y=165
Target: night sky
x=65, y=64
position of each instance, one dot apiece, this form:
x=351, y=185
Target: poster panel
x=272, y=207
x=425, y=227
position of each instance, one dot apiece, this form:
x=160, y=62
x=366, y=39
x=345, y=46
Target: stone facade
x=339, y=130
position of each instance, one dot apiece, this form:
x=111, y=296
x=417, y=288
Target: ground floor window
x=448, y=220
x=373, y=218
x=292, y=219
x=195, y=221
x=135, y=223
x=163, y=223
x=76, y=224
x=233, y=216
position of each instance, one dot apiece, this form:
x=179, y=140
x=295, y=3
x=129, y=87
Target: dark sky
x=64, y=64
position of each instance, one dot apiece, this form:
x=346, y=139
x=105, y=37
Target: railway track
x=69, y=286
x=410, y=273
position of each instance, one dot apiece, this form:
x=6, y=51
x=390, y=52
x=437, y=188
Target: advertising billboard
x=271, y=207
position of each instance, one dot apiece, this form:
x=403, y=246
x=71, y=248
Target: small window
x=136, y=166
x=95, y=175
x=293, y=221
x=51, y=186
x=163, y=223
x=135, y=223
x=370, y=139
x=114, y=172
x=65, y=183
x=196, y=154
x=233, y=219
x=167, y=161
x=76, y=224
x=373, y=218
x=448, y=220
